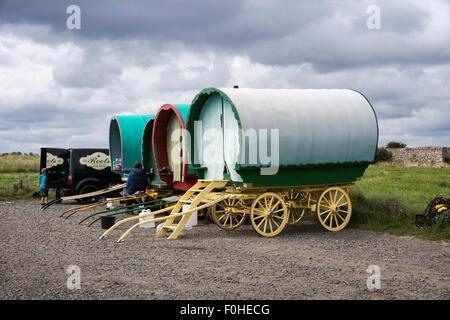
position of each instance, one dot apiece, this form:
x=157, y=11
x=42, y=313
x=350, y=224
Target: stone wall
x=420, y=156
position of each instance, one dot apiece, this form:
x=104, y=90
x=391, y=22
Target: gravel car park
x=303, y=262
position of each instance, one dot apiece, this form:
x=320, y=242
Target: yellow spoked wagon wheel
x=334, y=209
x=269, y=214
x=228, y=214
x=295, y=214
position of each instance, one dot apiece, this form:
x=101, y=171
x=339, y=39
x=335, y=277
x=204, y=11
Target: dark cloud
x=281, y=33
x=61, y=86
x=157, y=19
x=229, y=25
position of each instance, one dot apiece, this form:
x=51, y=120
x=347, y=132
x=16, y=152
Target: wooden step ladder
x=194, y=197
x=198, y=197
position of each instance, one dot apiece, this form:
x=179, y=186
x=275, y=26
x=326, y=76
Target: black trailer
x=77, y=171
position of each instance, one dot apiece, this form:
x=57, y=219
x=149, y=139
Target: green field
x=16, y=167
x=412, y=188
x=19, y=163
x=9, y=185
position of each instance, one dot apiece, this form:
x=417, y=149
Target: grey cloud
x=281, y=33
x=131, y=19
x=403, y=69
x=343, y=41
x=425, y=126
x=401, y=17
x=171, y=79
x=95, y=68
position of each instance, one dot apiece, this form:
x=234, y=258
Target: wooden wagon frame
x=270, y=209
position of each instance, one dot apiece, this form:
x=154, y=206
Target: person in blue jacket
x=137, y=181
x=43, y=186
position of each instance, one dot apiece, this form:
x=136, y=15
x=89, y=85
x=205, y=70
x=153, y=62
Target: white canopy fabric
x=316, y=126
x=175, y=147
x=219, y=138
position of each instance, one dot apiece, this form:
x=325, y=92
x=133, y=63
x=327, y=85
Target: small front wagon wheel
x=334, y=209
x=228, y=214
x=269, y=214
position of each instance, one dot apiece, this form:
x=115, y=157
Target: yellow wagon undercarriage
x=270, y=209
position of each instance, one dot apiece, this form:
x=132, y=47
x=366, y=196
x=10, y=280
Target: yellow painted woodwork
x=334, y=209
x=269, y=214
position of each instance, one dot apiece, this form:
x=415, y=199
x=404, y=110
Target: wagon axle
x=270, y=214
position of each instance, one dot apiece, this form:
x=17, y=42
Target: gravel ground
x=303, y=262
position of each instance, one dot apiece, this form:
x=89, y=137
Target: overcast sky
x=59, y=87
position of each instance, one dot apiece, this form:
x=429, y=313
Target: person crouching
x=137, y=181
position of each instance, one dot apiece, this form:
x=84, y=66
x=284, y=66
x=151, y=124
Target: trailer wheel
x=228, y=214
x=87, y=189
x=334, y=209
x=269, y=214
x=295, y=214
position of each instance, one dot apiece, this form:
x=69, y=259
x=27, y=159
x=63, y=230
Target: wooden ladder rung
x=199, y=193
x=202, y=185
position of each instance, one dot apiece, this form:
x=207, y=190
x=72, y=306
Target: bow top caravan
x=169, y=147
x=280, y=137
x=125, y=141
x=266, y=154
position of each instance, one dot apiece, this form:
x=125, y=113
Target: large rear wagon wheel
x=228, y=214
x=269, y=214
x=334, y=209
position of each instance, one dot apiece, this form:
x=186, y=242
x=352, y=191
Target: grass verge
x=9, y=185
x=19, y=163
x=412, y=189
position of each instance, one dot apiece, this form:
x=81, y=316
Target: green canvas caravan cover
x=169, y=147
x=125, y=141
x=281, y=137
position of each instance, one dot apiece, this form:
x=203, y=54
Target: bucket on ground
x=107, y=222
x=192, y=222
x=146, y=225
